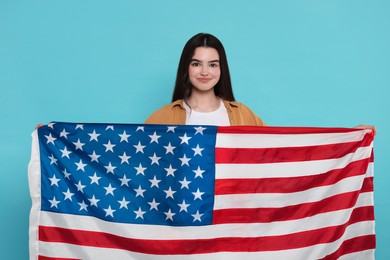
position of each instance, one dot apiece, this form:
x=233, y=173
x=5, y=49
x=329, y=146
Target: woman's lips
x=204, y=80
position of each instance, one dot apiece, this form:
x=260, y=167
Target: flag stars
x=124, y=180
x=83, y=206
x=93, y=201
x=125, y=158
x=53, y=160
x=139, y=147
x=81, y=165
x=154, y=182
x=94, y=157
x=94, y=136
x=140, y=128
x=169, y=192
x=68, y=195
x=198, y=173
x=66, y=174
x=169, y=215
x=124, y=137
x=153, y=205
x=171, y=129
x=79, y=145
x=110, y=168
x=54, y=181
x=198, y=194
x=199, y=130
x=169, y=148
x=197, y=216
x=184, y=138
x=109, y=190
x=80, y=187
x=95, y=179
x=184, y=183
x=110, y=127
x=109, y=211
x=123, y=203
x=54, y=202
x=64, y=133
x=184, y=160
x=139, y=191
x=140, y=169
x=65, y=152
x=170, y=171
x=79, y=126
x=154, y=137
x=183, y=206
x=155, y=159
x=109, y=146
x=139, y=213
x=198, y=150
x=50, y=138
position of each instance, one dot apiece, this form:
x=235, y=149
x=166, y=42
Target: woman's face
x=204, y=71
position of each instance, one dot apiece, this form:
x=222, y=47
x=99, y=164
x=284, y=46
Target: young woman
x=203, y=92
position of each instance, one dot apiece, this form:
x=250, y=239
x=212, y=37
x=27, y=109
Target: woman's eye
x=195, y=64
x=213, y=65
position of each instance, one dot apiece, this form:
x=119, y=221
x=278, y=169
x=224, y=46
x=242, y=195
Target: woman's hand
x=371, y=127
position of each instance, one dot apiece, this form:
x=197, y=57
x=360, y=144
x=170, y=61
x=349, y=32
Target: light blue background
x=295, y=63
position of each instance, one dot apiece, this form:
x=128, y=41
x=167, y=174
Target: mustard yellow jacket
x=175, y=113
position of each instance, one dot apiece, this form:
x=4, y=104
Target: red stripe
x=266, y=215
x=282, y=130
x=368, y=184
x=289, y=184
x=41, y=257
x=353, y=245
x=200, y=246
x=288, y=154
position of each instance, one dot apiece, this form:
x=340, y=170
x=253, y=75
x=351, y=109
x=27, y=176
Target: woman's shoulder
x=172, y=113
x=243, y=115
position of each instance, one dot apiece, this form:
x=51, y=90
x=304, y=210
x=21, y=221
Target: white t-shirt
x=218, y=117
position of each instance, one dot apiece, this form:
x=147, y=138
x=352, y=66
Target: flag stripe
x=285, y=130
x=287, y=154
x=352, y=245
x=288, y=185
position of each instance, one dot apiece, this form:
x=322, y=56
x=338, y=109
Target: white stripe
x=370, y=170
x=285, y=140
x=288, y=169
x=312, y=252
x=207, y=232
x=277, y=200
x=363, y=255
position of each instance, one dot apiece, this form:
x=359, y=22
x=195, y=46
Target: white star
x=51, y=125
x=154, y=182
x=54, y=202
x=123, y=203
x=94, y=201
x=169, y=148
x=170, y=171
x=183, y=206
x=79, y=126
x=198, y=194
x=140, y=128
x=139, y=147
x=169, y=193
x=184, y=160
x=169, y=215
x=154, y=137
x=109, y=146
x=154, y=159
x=109, y=190
x=110, y=127
x=95, y=179
x=198, y=172
x=79, y=145
x=110, y=168
x=80, y=165
x=52, y=160
x=140, y=169
x=109, y=211
x=124, y=180
x=153, y=205
x=184, y=138
x=125, y=158
x=54, y=180
x=50, y=138
x=184, y=183
x=199, y=130
x=83, y=206
x=198, y=150
x=197, y=216
x=139, y=213
x=94, y=156
x=80, y=187
x=64, y=134
x=65, y=152
x=66, y=174
x=124, y=137
x=171, y=129
x=68, y=195
x=94, y=136
x=139, y=191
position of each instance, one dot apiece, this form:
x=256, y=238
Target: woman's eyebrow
x=201, y=61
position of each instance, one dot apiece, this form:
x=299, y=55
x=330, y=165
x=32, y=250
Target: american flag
x=124, y=191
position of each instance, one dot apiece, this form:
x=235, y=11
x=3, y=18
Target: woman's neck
x=203, y=103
